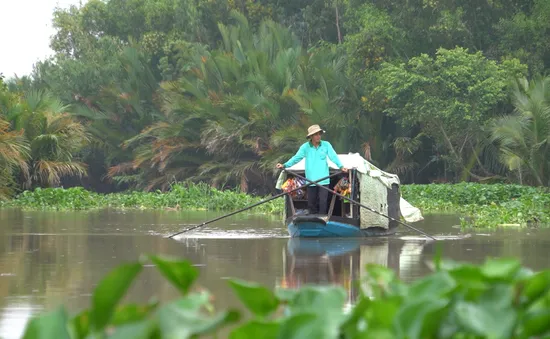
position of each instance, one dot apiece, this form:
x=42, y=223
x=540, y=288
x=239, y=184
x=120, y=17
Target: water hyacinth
x=483, y=205
x=497, y=299
x=181, y=196
x=478, y=205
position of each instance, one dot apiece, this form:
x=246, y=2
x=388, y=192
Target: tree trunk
x=244, y=183
x=366, y=150
x=338, y=23
x=457, y=156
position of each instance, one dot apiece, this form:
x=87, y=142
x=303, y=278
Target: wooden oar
x=359, y=204
x=251, y=206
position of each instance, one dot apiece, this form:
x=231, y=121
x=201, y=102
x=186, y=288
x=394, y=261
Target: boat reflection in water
x=342, y=261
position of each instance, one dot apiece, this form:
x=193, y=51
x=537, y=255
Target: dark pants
x=316, y=194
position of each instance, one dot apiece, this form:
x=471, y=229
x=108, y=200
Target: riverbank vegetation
x=497, y=299
x=478, y=205
x=182, y=196
x=484, y=206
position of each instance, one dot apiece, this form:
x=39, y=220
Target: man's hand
x=279, y=166
x=345, y=170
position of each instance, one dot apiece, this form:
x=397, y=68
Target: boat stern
x=319, y=226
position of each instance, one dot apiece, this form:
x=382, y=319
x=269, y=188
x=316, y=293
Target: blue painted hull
x=315, y=226
x=331, y=229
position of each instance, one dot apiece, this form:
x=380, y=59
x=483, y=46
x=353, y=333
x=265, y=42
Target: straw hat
x=313, y=129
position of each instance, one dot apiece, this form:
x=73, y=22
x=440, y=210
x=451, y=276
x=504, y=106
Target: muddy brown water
x=53, y=258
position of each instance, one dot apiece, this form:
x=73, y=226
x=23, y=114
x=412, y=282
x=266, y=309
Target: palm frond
x=49, y=173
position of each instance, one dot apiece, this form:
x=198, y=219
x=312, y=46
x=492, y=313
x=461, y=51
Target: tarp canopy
x=356, y=161
x=349, y=161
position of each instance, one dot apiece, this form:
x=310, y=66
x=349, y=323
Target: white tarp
x=356, y=161
x=409, y=212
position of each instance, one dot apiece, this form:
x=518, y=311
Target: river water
x=53, y=258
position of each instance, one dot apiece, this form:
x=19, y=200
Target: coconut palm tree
x=14, y=148
x=54, y=137
x=219, y=116
x=120, y=112
x=239, y=109
x=523, y=138
x=14, y=153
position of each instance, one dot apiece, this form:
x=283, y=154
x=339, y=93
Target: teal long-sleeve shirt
x=316, y=160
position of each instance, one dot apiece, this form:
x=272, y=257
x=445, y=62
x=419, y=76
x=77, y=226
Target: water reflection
x=343, y=261
x=14, y=318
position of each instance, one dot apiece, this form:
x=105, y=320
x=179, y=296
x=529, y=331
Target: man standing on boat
x=316, y=152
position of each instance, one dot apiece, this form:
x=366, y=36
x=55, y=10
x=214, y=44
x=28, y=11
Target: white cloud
x=25, y=31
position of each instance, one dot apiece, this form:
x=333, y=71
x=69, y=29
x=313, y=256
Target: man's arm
x=296, y=158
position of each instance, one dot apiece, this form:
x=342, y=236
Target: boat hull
x=317, y=226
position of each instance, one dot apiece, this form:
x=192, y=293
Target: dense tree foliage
x=143, y=93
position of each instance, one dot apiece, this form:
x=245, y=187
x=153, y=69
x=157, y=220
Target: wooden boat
x=368, y=185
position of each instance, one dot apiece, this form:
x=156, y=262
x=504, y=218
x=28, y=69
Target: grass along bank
x=480, y=205
x=483, y=205
x=183, y=196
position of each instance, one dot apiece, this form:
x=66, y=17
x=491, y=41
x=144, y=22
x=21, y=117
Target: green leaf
x=358, y=310
x=535, y=287
x=349, y=327
x=304, y=325
x=536, y=324
x=434, y=285
x=256, y=329
x=285, y=294
x=139, y=330
x=179, y=272
x=326, y=303
x=183, y=318
x=499, y=296
x=469, y=277
x=448, y=326
x=50, y=325
x=500, y=268
x=376, y=334
x=383, y=312
x=258, y=299
x=420, y=318
x=484, y=320
x=330, y=299
x=194, y=301
x=132, y=313
x=80, y=325
x=109, y=292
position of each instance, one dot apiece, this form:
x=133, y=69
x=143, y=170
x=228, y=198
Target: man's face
x=316, y=138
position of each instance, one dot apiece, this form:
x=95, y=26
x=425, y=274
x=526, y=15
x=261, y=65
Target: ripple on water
x=232, y=234
x=437, y=237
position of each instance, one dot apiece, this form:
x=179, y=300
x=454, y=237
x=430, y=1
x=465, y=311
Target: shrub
x=498, y=299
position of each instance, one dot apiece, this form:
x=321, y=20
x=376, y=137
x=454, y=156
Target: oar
x=251, y=206
x=359, y=204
